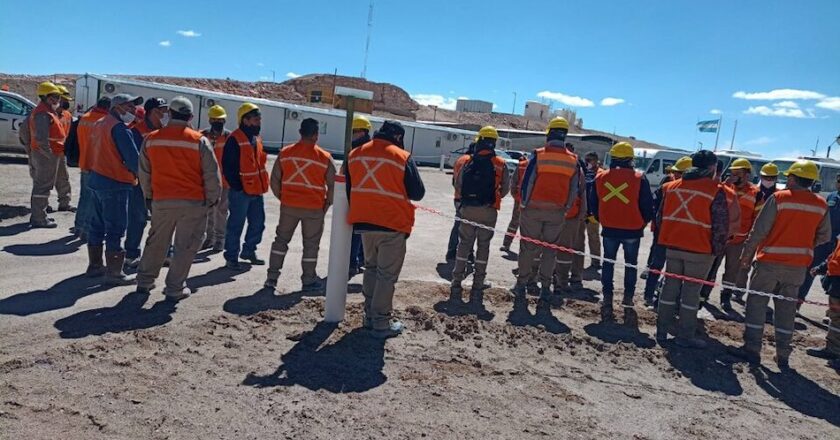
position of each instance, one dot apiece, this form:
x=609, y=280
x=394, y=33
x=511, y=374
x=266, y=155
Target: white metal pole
x=341, y=233
x=442, y=161
x=734, y=129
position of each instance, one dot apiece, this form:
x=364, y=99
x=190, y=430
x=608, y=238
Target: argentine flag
x=708, y=126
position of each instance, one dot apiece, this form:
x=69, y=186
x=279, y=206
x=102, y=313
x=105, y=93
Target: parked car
x=516, y=154
x=13, y=109
x=510, y=162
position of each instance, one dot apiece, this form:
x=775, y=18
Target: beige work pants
x=545, y=225
x=217, y=219
x=467, y=236
x=62, y=182
x=772, y=278
x=572, y=237
x=312, y=228
x=689, y=264
x=384, y=257
x=43, y=168
x=593, y=235
x=513, y=226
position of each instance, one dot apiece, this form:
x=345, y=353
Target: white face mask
x=127, y=117
x=164, y=120
x=768, y=183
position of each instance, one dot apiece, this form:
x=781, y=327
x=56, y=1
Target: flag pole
x=734, y=129
x=717, y=133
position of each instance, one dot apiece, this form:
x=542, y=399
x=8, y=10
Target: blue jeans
x=109, y=218
x=821, y=253
x=243, y=207
x=357, y=254
x=85, y=208
x=631, y=256
x=656, y=260
x=137, y=215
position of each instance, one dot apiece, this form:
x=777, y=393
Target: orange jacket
x=143, y=128
x=66, y=119
x=519, y=176
x=377, y=194
x=834, y=262
x=791, y=240
x=499, y=167
x=218, y=144
x=251, y=164
x=176, y=163
x=57, y=133
x=104, y=157
x=687, y=215
x=304, y=169
x=84, y=131
x=618, y=198
x=746, y=200
x=456, y=169
x=555, y=168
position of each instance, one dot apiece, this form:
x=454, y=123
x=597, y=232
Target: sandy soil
x=80, y=361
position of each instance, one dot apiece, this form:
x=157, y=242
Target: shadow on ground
x=126, y=315
x=800, y=393
x=64, y=294
x=520, y=316
x=455, y=306
x=59, y=246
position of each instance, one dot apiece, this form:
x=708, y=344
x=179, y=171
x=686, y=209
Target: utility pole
x=734, y=129
x=272, y=76
x=816, y=146
x=367, y=42
x=513, y=111
x=836, y=141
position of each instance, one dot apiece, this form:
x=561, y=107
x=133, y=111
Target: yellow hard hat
x=682, y=164
x=804, y=169
x=244, y=109
x=741, y=164
x=64, y=92
x=769, y=170
x=488, y=132
x=622, y=150
x=558, y=122
x=48, y=88
x=361, y=123
x=217, y=112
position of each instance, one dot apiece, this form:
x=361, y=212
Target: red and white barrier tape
x=608, y=260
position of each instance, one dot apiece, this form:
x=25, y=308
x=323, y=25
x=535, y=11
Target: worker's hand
x=591, y=220
x=814, y=271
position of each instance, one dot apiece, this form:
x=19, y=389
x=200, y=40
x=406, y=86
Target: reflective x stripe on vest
x=370, y=176
x=616, y=192
x=685, y=196
x=298, y=178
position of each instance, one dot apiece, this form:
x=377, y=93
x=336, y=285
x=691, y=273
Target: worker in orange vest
x=180, y=178
x=113, y=172
x=303, y=178
x=452, y=248
x=481, y=182
x=83, y=133
x=831, y=269
x=623, y=205
x=549, y=188
x=62, y=177
x=790, y=225
x=243, y=166
x=217, y=219
x=44, y=142
x=360, y=132
x=568, y=270
x=382, y=179
x=516, y=182
x=693, y=223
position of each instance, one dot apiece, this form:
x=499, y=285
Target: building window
x=437, y=143
x=323, y=127
x=315, y=96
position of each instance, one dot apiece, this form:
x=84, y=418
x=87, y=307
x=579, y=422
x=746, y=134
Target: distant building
x=537, y=111
x=473, y=106
x=568, y=114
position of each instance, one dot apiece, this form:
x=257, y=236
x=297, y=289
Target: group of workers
x=202, y=187
x=698, y=222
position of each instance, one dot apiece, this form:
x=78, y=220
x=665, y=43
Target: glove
x=591, y=220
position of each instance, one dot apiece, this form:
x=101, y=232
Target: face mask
x=65, y=105
x=164, y=120
x=217, y=126
x=127, y=117
x=252, y=130
x=767, y=183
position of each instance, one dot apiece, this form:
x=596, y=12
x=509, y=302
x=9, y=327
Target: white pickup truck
x=13, y=109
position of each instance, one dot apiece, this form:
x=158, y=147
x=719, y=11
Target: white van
x=13, y=109
x=829, y=170
x=653, y=163
x=725, y=158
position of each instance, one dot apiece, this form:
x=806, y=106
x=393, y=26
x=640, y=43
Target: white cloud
x=831, y=103
x=260, y=65
x=265, y=78
x=786, y=104
x=779, y=94
x=715, y=111
x=574, y=101
x=763, y=140
x=292, y=75
x=189, y=34
x=165, y=43
x=436, y=100
x=782, y=112
x=609, y=102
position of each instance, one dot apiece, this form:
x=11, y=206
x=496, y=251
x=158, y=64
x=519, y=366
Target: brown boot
x=115, y=274
x=95, y=267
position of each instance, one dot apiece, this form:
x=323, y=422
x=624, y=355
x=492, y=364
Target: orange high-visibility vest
x=84, y=131
x=66, y=119
x=834, y=261
x=456, y=169
x=104, y=157
x=687, y=214
x=251, y=164
x=304, y=168
x=143, y=128
x=176, y=163
x=554, y=168
x=520, y=176
x=377, y=194
x=575, y=209
x=218, y=144
x=56, y=135
x=618, y=198
x=791, y=239
x=746, y=200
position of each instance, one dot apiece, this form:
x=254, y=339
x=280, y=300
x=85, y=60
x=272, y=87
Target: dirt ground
x=81, y=361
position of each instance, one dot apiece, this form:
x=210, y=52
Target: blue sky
x=772, y=65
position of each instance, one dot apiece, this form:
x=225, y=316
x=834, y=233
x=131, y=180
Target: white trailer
x=281, y=120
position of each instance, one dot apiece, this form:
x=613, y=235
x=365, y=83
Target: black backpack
x=478, y=181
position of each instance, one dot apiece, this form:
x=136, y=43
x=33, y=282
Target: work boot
x=661, y=336
x=145, y=290
x=178, y=295
x=752, y=357
x=480, y=285
x=218, y=246
x=505, y=249
x=607, y=314
x=575, y=284
x=132, y=263
x=783, y=363
x=692, y=343
x=561, y=287
x=532, y=288
x=726, y=300
x=450, y=256
x=208, y=243
x=46, y=224
x=95, y=266
x=822, y=353
x=83, y=236
x=270, y=283
x=232, y=265
x=518, y=290
x=471, y=258
x=252, y=258
x=315, y=286
x=394, y=329
x=50, y=210
x=631, y=318
x=68, y=208
x=545, y=294
x=114, y=275
x=455, y=291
